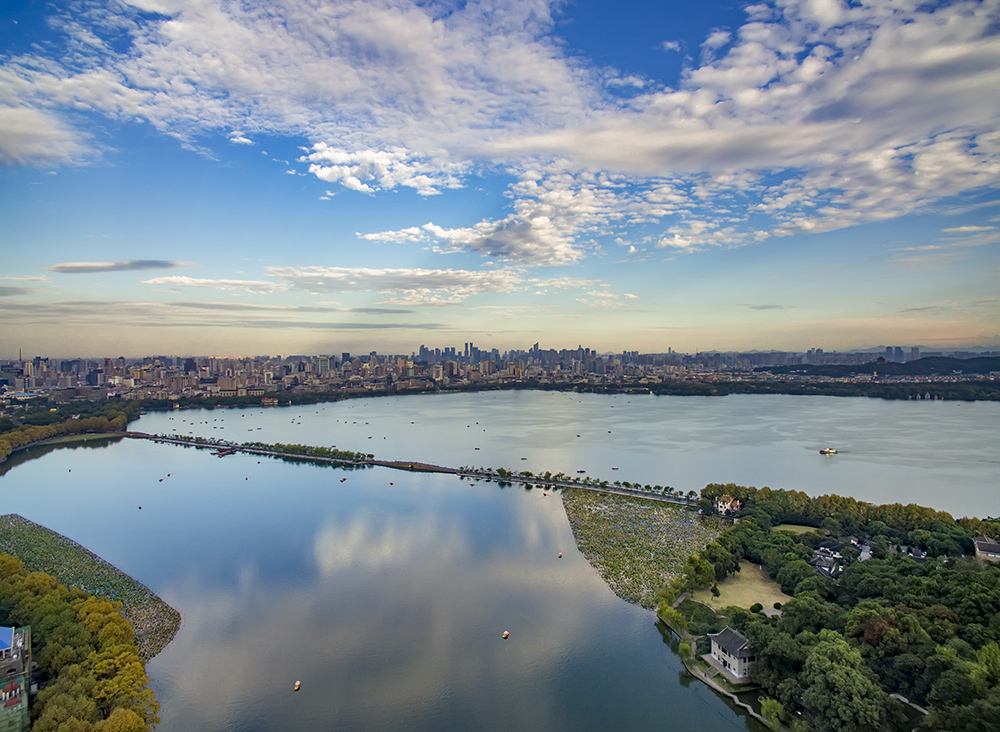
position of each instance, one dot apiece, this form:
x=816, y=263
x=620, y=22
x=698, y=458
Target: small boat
x=828, y=451
x=560, y=555
x=298, y=685
x=506, y=635
x=614, y=468
x=581, y=471
x=343, y=479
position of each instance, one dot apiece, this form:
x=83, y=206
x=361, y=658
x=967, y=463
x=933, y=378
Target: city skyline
x=196, y=176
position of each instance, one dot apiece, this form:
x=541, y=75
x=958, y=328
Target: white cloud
x=813, y=115
x=717, y=39
x=402, y=286
x=37, y=137
x=968, y=229
x=384, y=169
x=256, y=287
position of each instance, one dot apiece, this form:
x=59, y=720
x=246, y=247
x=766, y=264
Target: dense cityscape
x=173, y=377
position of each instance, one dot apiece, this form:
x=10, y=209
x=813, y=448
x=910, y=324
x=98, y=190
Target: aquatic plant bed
x=636, y=545
x=154, y=622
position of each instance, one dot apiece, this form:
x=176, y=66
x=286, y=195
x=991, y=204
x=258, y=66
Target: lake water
x=386, y=594
x=934, y=453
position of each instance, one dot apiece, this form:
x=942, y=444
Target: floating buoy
x=505, y=635
x=560, y=555
x=298, y=685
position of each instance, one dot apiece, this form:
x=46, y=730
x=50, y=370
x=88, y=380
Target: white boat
x=828, y=451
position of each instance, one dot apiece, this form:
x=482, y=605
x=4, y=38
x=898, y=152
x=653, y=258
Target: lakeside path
x=154, y=622
x=500, y=475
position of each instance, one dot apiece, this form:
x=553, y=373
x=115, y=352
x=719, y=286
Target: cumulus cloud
x=553, y=209
x=813, y=115
x=124, y=266
x=371, y=170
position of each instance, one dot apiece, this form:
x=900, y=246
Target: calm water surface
x=940, y=454
x=386, y=594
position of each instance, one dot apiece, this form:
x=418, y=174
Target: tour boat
x=828, y=451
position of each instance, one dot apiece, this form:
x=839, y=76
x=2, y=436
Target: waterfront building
x=732, y=651
x=15, y=676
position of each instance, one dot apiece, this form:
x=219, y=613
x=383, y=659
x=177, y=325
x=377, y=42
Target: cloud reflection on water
x=400, y=623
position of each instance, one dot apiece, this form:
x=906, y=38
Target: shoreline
x=153, y=621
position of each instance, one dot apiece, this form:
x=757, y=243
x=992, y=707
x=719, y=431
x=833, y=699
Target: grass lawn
x=796, y=528
x=743, y=589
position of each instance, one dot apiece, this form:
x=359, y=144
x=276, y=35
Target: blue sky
x=209, y=176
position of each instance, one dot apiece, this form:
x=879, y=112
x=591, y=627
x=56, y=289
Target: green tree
x=840, y=688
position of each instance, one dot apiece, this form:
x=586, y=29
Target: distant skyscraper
x=898, y=355
x=914, y=353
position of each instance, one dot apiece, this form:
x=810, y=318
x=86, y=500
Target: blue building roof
x=6, y=638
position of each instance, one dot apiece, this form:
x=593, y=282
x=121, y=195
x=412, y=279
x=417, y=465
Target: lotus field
x=636, y=545
x=153, y=621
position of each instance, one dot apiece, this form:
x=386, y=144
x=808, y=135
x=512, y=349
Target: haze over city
x=205, y=177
